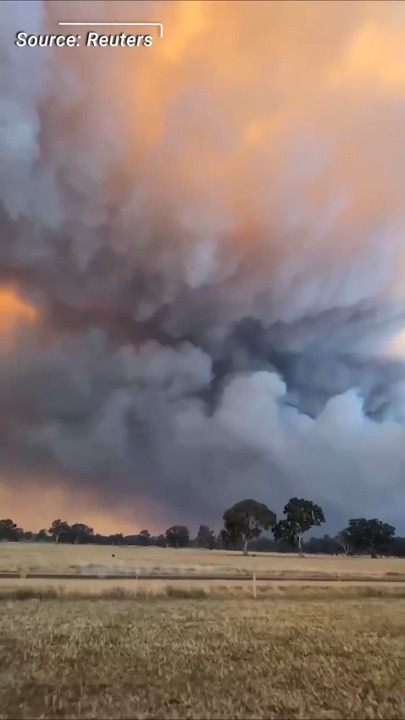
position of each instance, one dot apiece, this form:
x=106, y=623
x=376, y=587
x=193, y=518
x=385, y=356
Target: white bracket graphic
x=115, y=24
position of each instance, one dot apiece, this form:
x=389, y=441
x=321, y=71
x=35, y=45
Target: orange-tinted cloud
x=221, y=105
x=14, y=309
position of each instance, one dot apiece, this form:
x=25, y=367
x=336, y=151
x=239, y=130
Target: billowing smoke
x=207, y=237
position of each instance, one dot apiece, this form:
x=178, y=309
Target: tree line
x=243, y=526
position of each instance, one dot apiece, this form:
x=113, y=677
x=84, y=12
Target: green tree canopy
x=41, y=535
x=9, y=530
x=160, y=540
x=177, y=536
x=58, y=526
x=300, y=516
x=372, y=536
x=205, y=537
x=144, y=537
x=245, y=520
x=81, y=533
x=223, y=537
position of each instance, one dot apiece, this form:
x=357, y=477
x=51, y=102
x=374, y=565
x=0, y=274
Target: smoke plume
x=202, y=257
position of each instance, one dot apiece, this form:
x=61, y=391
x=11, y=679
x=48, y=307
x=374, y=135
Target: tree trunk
x=300, y=550
x=245, y=547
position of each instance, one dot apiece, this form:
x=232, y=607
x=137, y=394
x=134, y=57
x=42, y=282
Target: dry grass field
x=126, y=589
x=77, y=559
x=202, y=659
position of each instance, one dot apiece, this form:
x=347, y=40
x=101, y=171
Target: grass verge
x=215, y=592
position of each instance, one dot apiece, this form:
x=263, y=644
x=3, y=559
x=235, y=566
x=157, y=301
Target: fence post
x=254, y=585
x=136, y=583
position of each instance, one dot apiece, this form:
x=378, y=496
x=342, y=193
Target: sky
x=201, y=264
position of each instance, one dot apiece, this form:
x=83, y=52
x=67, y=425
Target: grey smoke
x=201, y=340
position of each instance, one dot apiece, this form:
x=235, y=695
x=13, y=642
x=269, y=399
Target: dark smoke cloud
x=211, y=232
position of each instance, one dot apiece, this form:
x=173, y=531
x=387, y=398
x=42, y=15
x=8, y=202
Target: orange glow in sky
x=13, y=309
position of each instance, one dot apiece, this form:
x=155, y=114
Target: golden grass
x=34, y=557
x=183, y=659
x=220, y=589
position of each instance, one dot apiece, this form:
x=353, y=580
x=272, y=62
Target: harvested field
x=202, y=659
x=87, y=559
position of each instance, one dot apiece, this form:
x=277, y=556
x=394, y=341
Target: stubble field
x=199, y=648
x=202, y=659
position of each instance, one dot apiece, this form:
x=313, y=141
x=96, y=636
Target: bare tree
x=345, y=542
